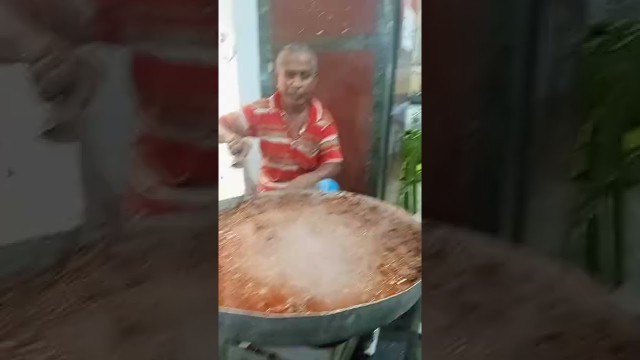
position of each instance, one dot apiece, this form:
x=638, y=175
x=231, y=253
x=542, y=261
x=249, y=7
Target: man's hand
x=67, y=81
x=309, y=180
x=239, y=148
x=302, y=182
x=53, y=68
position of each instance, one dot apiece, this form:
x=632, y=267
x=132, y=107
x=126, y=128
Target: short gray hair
x=294, y=48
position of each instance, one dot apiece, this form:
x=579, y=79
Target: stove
x=246, y=351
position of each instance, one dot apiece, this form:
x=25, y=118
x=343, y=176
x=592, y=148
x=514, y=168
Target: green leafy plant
x=411, y=152
x=607, y=157
x=611, y=79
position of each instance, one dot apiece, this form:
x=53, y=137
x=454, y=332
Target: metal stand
x=234, y=350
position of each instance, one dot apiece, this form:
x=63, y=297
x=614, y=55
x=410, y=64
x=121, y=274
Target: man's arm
x=29, y=26
x=232, y=126
x=325, y=171
x=71, y=20
x=233, y=130
x=45, y=34
x=226, y=135
x=20, y=36
x=330, y=158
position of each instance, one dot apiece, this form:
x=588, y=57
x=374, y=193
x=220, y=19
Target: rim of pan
x=235, y=311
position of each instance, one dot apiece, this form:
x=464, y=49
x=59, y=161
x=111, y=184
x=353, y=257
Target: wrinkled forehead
x=296, y=62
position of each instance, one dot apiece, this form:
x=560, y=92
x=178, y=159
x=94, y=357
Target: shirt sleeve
x=241, y=122
x=330, y=149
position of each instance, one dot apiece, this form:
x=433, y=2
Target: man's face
x=296, y=77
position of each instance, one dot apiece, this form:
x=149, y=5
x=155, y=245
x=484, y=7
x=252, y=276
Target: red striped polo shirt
x=174, y=71
x=284, y=158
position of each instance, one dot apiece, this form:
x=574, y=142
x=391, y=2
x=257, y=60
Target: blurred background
x=532, y=133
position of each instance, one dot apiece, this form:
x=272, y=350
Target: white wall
x=39, y=181
x=248, y=49
x=43, y=195
x=112, y=117
x=228, y=92
x=240, y=77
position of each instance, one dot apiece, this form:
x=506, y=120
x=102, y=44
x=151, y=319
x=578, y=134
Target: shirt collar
x=315, y=112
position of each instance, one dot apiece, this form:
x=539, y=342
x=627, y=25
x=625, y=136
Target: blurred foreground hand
x=66, y=79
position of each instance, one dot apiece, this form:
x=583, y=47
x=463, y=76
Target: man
x=298, y=136
x=174, y=71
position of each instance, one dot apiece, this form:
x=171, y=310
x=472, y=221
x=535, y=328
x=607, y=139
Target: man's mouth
x=295, y=95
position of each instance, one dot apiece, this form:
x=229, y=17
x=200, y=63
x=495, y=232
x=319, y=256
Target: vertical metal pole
x=387, y=47
x=525, y=44
x=266, y=48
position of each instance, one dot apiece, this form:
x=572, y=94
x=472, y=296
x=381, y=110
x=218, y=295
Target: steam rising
x=318, y=253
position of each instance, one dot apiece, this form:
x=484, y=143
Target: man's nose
x=296, y=82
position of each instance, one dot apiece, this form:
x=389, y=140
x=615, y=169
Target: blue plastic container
x=328, y=185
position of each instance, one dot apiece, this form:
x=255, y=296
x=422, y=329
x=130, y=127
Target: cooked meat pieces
x=305, y=253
